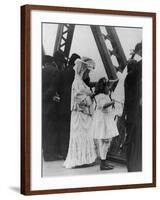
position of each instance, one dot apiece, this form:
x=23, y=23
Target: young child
x=104, y=127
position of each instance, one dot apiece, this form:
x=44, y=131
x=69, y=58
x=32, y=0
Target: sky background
x=83, y=43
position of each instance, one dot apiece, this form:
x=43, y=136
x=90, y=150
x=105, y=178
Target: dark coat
x=133, y=110
x=65, y=86
x=50, y=83
x=133, y=91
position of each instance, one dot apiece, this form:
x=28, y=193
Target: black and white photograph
x=88, y=100
x=91, y=99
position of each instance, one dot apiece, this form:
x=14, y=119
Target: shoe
x=105, y=166
x=109, y=164
x=106, y=162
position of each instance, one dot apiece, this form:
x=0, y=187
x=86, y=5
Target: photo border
x=26, y=98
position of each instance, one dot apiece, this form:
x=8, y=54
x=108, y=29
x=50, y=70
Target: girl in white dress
x=104, y=127
x=81, y=145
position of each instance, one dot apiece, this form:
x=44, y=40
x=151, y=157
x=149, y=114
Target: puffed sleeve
x=80, y=100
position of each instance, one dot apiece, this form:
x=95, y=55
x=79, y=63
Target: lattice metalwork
x=64, y=39
x=104, y=52
x=117, y=51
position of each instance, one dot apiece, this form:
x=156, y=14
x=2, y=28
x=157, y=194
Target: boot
x=107, y=162
x=105, y=166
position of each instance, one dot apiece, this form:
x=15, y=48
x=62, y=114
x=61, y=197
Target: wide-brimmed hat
x=83, y=64
x=89, y=63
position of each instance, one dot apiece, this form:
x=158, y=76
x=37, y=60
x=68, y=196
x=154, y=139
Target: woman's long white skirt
x=81, y=146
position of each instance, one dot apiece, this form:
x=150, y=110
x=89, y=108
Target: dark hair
x=101, y=86
x=72, y=59
x=59, y=56
x=47, y=60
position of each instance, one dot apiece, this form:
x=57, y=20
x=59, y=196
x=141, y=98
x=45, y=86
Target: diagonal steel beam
x=104, y=52
x=119, y=52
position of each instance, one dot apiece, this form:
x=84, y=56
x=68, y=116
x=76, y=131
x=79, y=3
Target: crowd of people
x=78, y=116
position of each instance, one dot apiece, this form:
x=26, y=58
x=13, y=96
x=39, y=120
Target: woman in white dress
x=81, y=145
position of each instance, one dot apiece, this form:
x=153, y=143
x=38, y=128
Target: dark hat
x=59, y=56
x=138, y=47
x=72, y=59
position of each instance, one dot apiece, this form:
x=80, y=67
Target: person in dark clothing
x=133, y=112
x=50, y=100
x=67, y=77
x=46, y=59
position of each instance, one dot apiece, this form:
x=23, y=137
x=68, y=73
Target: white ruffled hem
x=80, y=153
